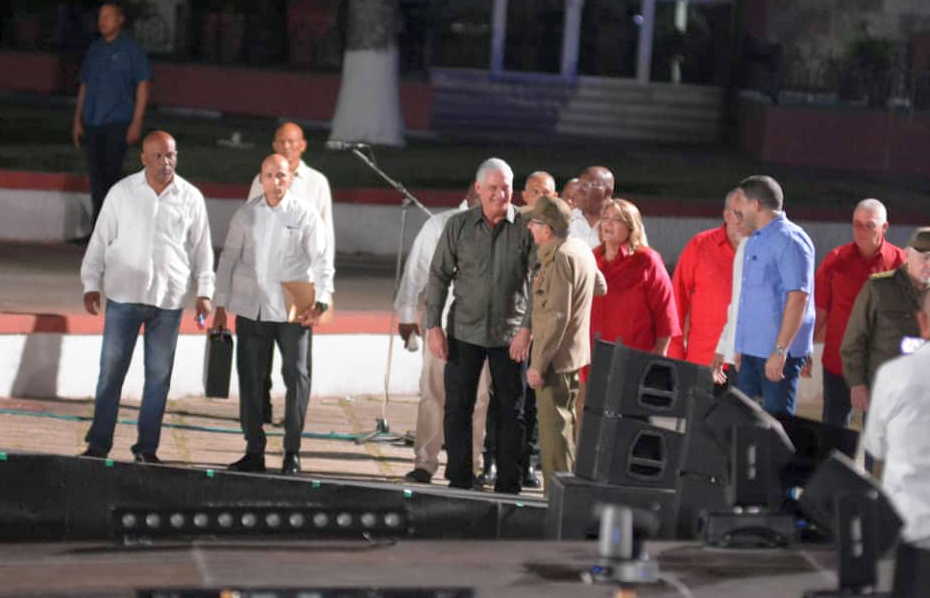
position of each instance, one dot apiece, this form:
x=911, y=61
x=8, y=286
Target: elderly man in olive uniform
x=566, y=281
x=883, y=315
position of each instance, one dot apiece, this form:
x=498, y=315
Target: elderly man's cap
x=920, y=239
x=552, y=211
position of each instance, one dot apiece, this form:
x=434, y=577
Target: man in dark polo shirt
x=111, y=102
x=486, y=251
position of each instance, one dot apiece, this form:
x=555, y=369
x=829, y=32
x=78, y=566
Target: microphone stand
x=382, y=431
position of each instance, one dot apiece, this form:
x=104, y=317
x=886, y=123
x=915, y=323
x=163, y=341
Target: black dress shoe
x=92, y=452
x=531, y=478
x=146, y=458
x=418, y=475
x=254, y=462
x=489, y=474
x=291, y=464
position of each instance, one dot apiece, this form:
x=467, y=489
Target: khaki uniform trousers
x=431, y=411
x=555, y=406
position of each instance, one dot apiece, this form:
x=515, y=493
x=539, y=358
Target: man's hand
x=775, y=367
x=405, y=330
x=520, y=345
x=202, y=309
x=133, y=133
x=436, y=341
x=77, y=132
x=534, y=378
x=859, y=397
x=310, y=317
x=717, y=366
x=219, y=319
x=92, y=302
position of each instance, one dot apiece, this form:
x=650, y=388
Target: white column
x=644, y=53
x=498, y=35
x=571, y=37
x=681, y=25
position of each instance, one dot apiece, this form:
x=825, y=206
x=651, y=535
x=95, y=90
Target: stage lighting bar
x=265, y=520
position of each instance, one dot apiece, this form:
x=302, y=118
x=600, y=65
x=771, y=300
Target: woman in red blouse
x=639, y=307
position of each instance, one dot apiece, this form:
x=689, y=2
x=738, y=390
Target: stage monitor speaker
x=698, y=495
x=814, y=442
x=627, y=451
x=572, y=500
x=643, y=384
x=602, y=357
x=701, y=454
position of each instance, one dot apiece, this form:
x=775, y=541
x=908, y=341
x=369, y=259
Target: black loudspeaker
x=701, y=453
x=698, y=495
x=627, y=451
x=572, y=501
x=814, y=442
x=642, y=384
x=602, y=356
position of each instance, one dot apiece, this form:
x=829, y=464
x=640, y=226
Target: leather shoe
x=254, y=462
x=291, y=464
x=418, y=475
x=92, y=452
x=146, y=458
x=531, y=478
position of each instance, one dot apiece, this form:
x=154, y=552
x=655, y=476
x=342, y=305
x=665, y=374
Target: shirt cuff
x=325, y=297
x=206, y=288
x=407, y=314
x=92, y=286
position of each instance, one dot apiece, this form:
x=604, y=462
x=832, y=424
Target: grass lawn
x=37, y=137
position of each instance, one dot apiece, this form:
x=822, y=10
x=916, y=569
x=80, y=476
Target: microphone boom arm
x=409, y=199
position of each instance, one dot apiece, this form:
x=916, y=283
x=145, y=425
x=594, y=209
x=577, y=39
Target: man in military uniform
x=565, y=283
x=883, y=315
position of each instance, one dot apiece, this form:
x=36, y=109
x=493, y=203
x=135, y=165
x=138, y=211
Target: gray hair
x=494, y=165
x=873, y=205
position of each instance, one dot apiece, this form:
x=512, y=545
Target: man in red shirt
x=702, y=283
x=839, y=279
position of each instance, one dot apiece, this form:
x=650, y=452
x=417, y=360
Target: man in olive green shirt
x=565, y=283
x=487, y=252
x=884, y=313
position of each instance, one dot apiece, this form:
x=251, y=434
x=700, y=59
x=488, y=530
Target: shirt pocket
x=754, y=270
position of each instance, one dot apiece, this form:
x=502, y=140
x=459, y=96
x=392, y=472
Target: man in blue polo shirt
x=775, y=325
x=111, y=102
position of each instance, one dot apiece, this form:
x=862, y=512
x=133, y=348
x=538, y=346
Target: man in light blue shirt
x=774, y=329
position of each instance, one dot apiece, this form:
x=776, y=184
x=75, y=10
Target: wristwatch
x=781, y=351
x=321, y=307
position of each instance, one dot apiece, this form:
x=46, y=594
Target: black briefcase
x=217, y=364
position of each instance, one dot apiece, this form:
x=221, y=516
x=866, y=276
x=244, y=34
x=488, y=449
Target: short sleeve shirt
x=111, y=71
x=778, y=259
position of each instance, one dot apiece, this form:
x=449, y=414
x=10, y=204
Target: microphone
x=337, y=145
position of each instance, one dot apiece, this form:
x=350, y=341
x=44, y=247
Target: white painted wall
x=67, y=365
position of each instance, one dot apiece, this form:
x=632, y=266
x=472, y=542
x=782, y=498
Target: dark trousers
x=105, y=146
x=461, y=381
x=256, y=342
x=266, y=382
x=837, y=409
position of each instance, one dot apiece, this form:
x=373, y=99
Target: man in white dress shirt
x=596, y=184
x=408, y=304
x=310, y=187
x=272, y=238
x=151, y=239
x=896, y=432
